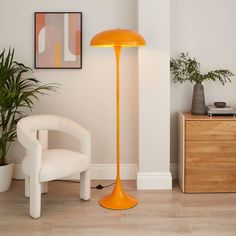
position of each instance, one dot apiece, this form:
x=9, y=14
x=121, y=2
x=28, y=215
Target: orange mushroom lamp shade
x=118, y=38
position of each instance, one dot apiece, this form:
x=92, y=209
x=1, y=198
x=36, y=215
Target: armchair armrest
x=33, y=147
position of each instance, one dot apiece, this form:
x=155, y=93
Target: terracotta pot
x=6, y=173
x=198, y=102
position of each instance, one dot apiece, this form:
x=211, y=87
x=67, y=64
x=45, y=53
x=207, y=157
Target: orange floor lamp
x=118, y=38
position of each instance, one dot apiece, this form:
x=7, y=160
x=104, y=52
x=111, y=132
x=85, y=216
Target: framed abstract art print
x=58, y=40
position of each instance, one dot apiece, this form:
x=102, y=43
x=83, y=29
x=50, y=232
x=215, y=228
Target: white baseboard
x=108, y=172
x=154, y=180
x=105, y=171
x=98, y=172
x=17, y=172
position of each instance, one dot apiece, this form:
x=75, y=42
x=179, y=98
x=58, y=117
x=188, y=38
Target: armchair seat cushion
x=58, y=163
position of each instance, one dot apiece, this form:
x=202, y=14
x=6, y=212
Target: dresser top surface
x=189, y=116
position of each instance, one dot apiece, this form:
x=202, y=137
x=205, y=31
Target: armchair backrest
x=28, y=125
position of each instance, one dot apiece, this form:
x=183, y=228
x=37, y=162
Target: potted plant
x=18, y=90
x=185, y=69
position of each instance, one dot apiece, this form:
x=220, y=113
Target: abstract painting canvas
x=58, y=40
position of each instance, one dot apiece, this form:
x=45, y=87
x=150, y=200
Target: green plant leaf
x=186, y=68
x=18, y=89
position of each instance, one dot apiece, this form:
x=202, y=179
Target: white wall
x=154, y=96
x=206, y=29
x=88, y=95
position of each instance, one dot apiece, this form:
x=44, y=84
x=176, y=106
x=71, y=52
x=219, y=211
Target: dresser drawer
x=210, y=166
x=210, y=130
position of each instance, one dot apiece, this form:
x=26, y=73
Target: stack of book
x=213, y=110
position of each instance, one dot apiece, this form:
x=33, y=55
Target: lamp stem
x=117, y=52
x=118, y=199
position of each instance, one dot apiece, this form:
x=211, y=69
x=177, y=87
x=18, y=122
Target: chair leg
x=35, y=198
x=44, y=187
x=85, y=185
x=27, y=186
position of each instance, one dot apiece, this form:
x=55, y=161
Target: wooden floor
x=161, y=213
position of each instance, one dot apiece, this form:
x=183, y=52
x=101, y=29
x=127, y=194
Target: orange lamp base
x=118, y=199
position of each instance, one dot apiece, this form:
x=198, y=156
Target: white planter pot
x=6, y=173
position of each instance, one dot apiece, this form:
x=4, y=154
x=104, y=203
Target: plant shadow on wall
x=186, y=68
x=18, y=91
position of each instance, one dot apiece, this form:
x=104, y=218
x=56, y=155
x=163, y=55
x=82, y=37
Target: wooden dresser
x=207, y=153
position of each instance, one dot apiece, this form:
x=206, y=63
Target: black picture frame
x=81, y=40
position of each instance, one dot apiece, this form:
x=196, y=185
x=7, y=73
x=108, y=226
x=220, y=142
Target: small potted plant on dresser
x=186, y=68
x=18, y=89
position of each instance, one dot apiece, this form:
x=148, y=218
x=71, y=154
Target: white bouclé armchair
x=41, y=164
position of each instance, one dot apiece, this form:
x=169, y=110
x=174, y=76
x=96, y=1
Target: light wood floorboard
x=163, y=213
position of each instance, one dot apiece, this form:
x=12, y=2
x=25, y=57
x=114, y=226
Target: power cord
x=99, y=186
